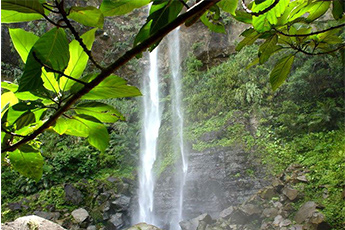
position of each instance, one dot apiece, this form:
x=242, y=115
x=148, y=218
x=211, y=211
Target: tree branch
x=261, y=11
x=197, y=8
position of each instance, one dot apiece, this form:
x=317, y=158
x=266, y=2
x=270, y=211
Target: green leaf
x=8, y=99
x=243, y=17
x=120, y=7
x=23, y=6
x=112, y=87
x=17, y=110
x=161, y=13
x=23, y=41
x=338, y=9
x=267, y=48
x=27, y=161
x=88, y=16
x=212, y=24
x=60, y=126
x=25, y=119
x=248, y=40
x=52, y=50
x=74, y=128
x=280, y=71
x=10, y=16
x=98, y=133
x=229, y=6
x=101, y=111
x=317, y=9
x=9, y=86
x=78, y=59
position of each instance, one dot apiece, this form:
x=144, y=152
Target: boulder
x=143, y=226
x=80, y=215
x=31, y=222
x=305, y=212
x=225, y=214
x=115, y=222
x=194, y=223
x=91, y=227
x=290, y=193
x=270, y=212
x=73, y=195
x=121, y=203
x=250, y=209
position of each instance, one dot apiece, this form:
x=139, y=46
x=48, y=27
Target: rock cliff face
x=217, y=178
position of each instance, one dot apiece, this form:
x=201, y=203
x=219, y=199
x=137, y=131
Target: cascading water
x=177, y=112
x=151, y=124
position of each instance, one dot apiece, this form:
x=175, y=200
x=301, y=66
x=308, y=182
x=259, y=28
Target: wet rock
x=225, y=214
x=270, y=212
x=194, y=223
x=48, y=215
x=239, y=217
x=305, y=212
x=80, y=215
x=268, y=193
x=31, y=222
x=277, y=220
x=73, y=195
x=91, y=227
x=143, y=226
x=250, y=209
x=285, y=223
x=290, y=193
x=115, y=222
x=121, y=203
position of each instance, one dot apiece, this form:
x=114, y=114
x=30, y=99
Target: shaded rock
x=115, y=222
x=15, y=206
x=270, y=212
x=48, y=215
x=121, y=203
x=285, y=223
x=31, y=222
x=302, y=178
x=194, y=223
x=143, y=226
x=250, y=209
x=290, y=193
x=324, y=226
x=91, y=227
x=317, y=218
x=113, y=179
x=239, y=217
x=73, y=195
x=277, y=220
x=225, y=214
x=305, y=212
x=80, y=215
x=268, y=193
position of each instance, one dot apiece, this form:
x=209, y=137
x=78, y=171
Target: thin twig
x=57, y=71
x=197, y=8
x=11, y=133
x=261, y=11
x=185, y=4
x=309, y=34
x=77, y=37
x=320, y=53
x=47, y=7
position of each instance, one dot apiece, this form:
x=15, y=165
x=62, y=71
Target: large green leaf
x=23, y=6
x=212, y=24
x=27, y=161
x=338, y=9
x=161, y=13
x=98, y=135
x=112, y=87
x=78, y=59
x=267, y=48
x=229, y=6
x=17, y=110
x=280, y=71
x=51, y=50
x=317, y=9
x=88, y=16
x=10, y=16
x=23, y=41
x=250, y=37
x=101, y=111
x=85, y=126
x=120, y=7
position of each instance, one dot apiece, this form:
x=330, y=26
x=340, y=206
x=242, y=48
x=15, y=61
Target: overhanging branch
x=196, y=9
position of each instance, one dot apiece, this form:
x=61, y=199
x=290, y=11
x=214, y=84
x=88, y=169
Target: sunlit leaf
x=78, y=59
x=10, y=16
x=280, y=71
x=101, y=111
x=228, y=6
x=88, y=16
x=27, y=161
x=317, y=9
x=60, y=125
x=9, y=99
x=120, y=7
x=23, y=6
x=23, y=41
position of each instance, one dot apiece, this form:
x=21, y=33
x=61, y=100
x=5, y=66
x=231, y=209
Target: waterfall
x=148, y=149
x=177, y=114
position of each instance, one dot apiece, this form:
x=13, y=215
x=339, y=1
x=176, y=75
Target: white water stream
x=177, y=112
x=148, y=149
